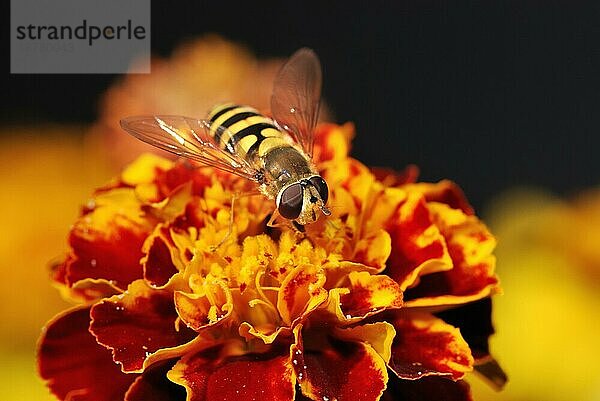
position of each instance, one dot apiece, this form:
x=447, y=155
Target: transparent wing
x=296, y=97
x=189, y=138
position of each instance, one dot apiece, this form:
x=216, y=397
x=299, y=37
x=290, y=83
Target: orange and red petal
x=137, y=324
x=167, y=180
x=374, y=250
x=332, y=142
x=198, y=311
x=369, y=294
x=107, y=240
x=432, y=388
x=446, y=192
x=257, y=377
x=475, y=323
x=341, y=370
x=112, y=255
x=301, y=292
x=379, y=335
x=427, y=346
x=418, y=246
x=472, y=277
x=158, y=264
x=155, y=177
x=153, y=385
x=393, y=178
x=74, y=365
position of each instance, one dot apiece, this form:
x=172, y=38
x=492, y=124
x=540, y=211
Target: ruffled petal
x=472, y=277
x=155, y=178
x=301, y=292
x=374, y=250
x=153, y=385
x=158, y=263
x=259, y=317
x=370, y=294
x=74, y=365
x=139, y=326
x=332, y=142
x=393, y=178
x=169, y=249
x=200, y=310
x=475, y=323
x=340, y=370
x=379, y=335
x=88, y=290
x=107, y=241
x=424, y=346
x=253, y=377
x=167, y=180
x=418, y=247
x=433, y=388
x=446, y=192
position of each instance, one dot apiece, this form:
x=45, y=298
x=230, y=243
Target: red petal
x=446, y=192
x=425, y=346
x=475, y=323
x=472, y=276
x=158, y=264
x=417, y=245
x=427, y=389
x=137, y=324
x=192, y=217
x=340, y=371
x=181, y=173
x=393, y=178
x=251, y=377
x=58, y=269
x=110, y=252
x=153, y=385
x=75, y=365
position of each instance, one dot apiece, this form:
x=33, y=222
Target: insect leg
x=272, y=221
x=236, y=195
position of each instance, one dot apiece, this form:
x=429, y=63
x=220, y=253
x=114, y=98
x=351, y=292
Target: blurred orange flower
x=45, y=173
x=198, y=75
x=397, y=280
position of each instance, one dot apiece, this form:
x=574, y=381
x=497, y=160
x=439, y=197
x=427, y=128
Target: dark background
x=489, y=94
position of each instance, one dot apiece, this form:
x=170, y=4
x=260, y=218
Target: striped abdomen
x=249, y=134
x=255, y=138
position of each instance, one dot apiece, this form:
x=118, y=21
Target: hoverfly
x=275, y=153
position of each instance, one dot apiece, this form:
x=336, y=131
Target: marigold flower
x=388, y=296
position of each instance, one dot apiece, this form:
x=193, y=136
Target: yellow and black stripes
x=248, y=133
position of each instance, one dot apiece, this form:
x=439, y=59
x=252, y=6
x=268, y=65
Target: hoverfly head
x=303, y=200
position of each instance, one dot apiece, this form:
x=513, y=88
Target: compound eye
x=290, y=204
x=321, y=186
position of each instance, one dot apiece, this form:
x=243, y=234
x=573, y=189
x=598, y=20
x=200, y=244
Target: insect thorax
x=286, y=163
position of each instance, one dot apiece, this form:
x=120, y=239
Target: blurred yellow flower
x=548, y=321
